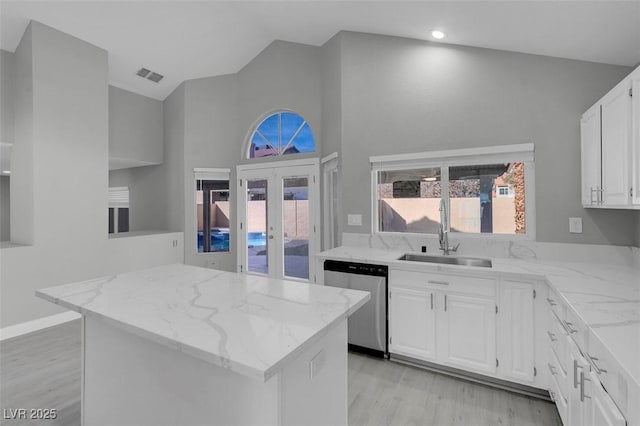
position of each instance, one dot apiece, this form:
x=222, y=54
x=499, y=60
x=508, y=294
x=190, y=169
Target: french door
x=278, y=214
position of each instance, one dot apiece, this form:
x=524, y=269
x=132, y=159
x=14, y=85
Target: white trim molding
x=524, y=153
x=455, y=157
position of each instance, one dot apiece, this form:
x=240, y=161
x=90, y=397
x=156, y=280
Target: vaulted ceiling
x=184, y=40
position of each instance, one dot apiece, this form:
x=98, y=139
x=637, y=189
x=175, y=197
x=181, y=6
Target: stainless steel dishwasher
x=368, y=325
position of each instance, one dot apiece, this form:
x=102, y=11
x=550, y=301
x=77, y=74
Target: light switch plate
x=354, y=219
x=575, y=225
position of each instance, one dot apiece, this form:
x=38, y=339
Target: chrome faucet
x=443, y=232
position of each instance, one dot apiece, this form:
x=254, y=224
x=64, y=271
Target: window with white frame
x=281, y=133
x=486, y=191
x=212, y=210
x=118, y=203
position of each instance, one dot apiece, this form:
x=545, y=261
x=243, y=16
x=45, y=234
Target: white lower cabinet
x=600, y=410
x=579, y=367
x=457, y=321
x=412, y=324
x=468, y=333
x=516, y=325
x=574, y=385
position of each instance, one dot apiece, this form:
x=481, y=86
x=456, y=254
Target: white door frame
x=329, y=174
x=274, y=170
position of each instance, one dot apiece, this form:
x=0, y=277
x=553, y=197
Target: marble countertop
x=249, y=324
x=605, y=297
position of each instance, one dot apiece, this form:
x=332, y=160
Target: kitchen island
x=183, y=345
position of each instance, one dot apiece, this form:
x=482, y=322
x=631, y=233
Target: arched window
x=281, y=133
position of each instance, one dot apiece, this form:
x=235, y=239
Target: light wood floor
x=388, y=393
x=42, y=370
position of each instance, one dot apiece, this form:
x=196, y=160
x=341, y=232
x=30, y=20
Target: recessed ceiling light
x=437, y=34
x=6, y=172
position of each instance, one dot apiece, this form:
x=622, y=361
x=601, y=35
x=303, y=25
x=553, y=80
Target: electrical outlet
x=575, y=225
x=354, y=219
x=316, y=364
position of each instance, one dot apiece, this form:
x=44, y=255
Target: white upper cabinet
x=616, y=141
x=635, y=138
x=591, y=160
x=610, y=147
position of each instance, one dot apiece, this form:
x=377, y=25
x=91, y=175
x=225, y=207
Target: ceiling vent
x=155, y=77
x=143, y=72
x=149, y=75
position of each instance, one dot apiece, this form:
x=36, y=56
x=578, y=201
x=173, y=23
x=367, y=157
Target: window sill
x=138, y=234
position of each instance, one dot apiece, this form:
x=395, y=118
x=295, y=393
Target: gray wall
x=135, y=127
x=5, y=222
x=7, y=79
x=211, y=141
x=170, y=175
x=218, y=113
x=283, y=76
x=136, y=134
x=147, y=198
x=7, y=76
x=402, y=96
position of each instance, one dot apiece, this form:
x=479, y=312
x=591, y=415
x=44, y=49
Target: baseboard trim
x=29, y=327
x=474, y=377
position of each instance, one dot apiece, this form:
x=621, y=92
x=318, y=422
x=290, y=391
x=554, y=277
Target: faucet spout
x=443, y=231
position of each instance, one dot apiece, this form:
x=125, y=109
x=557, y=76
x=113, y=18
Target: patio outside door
x=278, y=214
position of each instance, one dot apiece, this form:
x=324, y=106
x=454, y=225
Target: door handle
x=445, y=303
x=552, y=336
x=432, y=301
x=437, y=282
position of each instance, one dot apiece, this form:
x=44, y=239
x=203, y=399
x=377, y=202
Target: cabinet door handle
x=569, y=327
x=551, y=302
x=592, y=360
x=445, y=303
x=552, y=336
x=438, y=282
x=582, y=380
x=552, y=370
x=432, y=301
x=575, y=373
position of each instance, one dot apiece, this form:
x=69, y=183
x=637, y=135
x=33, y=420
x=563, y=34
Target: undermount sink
x=447, y=260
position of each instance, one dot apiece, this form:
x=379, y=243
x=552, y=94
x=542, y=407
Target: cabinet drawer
x=558, y=374
x=559, y=398
x=607, y=370
x=553, y=301
x=559, y=345
x=575, y=328
x=450, y=283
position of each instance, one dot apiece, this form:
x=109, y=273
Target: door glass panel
x=295, y=226
x=257, y=253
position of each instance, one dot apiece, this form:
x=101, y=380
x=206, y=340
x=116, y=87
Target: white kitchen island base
x=132, y=380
